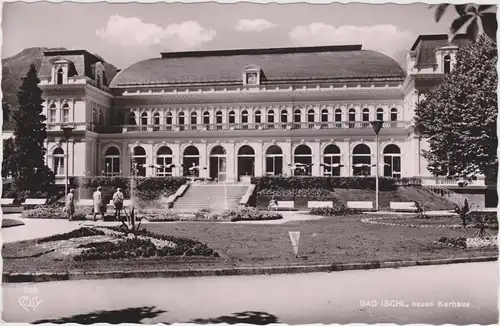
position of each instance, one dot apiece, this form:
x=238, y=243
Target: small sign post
x=295, y=237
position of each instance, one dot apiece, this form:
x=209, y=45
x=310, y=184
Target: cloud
x=387, y=39
x=131, y=31
x=256, y=25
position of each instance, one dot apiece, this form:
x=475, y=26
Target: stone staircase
x=450, y=195
x=213, y=196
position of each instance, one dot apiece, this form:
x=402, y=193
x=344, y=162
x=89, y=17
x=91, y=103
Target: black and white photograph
x=249, y=163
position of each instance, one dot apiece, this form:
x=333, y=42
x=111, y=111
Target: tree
x=30, y=176
x=475, y=17
x=8, y=165
x=459, y=116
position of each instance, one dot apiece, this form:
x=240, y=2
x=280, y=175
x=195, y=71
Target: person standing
x=118, y=203
x=70, y=204
x=98, y=207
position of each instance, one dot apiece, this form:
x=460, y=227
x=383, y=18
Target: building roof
x=425, y=48
x=277, y=65
x=82, y=61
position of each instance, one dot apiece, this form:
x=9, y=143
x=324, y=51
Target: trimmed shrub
x=336, y=210
x=328, y=183
x=56, y=212
x=296, y=192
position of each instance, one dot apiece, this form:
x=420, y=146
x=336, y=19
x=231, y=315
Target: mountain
x=16, y=67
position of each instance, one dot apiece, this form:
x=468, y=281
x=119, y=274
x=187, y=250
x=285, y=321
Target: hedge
x=329, y=183
x=147, y=188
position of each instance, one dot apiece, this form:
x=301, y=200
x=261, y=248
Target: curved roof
x=281, y=64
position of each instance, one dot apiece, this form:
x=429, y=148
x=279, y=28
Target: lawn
x=427, y=199
x=331, y=240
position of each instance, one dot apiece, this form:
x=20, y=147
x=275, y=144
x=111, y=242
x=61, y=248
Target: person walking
x=70, y=204
x=118, y=203
x=98, y=207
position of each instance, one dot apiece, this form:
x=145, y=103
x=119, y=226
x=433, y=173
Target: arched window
x=302, y=160
x=218, y=117
x=191, y=162
x=338, y=118
x=206, y=118
x=270, y=119
x=380, y=114
x=361, y=160
x=144, y=118
x=244, y=118
x=257, y=115
x=392, y=161
x=164, y=162
x=58, y=161
x=447, y=64
x=156, y=121
x=112, y=161
x=218, y=166
x=331, y=161
x=101, y=116
x=394, y=114
x=274, y=160
x=52, y=113
x=324, y=115
x=232, y=117
x=284, y=116
x=168, y=120
x=194, y=120
x=181, y=120
x=310, y=118
x=297, y=117
x=246, y=161
x=60, y=74
x=131, y=119
x=366, y=115
x=65, y=111
x=352, y=117
x=138, y=163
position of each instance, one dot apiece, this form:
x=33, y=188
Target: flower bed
x=239, y=214
x=336, y=210
x=430, y=222
x=56, y=212
x=296, y=192
x=463, y=242
x=78, y=233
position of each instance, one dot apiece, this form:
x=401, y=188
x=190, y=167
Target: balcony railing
x=264, y=126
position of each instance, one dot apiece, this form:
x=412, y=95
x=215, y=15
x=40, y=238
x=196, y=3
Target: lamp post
x=67, y=130
x=376, y=125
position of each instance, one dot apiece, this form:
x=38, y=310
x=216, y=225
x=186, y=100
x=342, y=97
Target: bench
x=85, y=202
x=403, y=206
x=286, y=205
x=6, y=201
x=35, y=201
x=362, y=205
x=318, y=204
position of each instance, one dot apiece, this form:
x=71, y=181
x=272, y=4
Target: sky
x=126, y=33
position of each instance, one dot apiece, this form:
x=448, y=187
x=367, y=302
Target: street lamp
x=376, y=125
x=67, y=130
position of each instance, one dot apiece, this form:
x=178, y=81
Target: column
x=150, y=159
x=176, y=159
x=231, y=161
x=259, y=159
x=287, y=157
x=316, y=157
x=125, y=159
x=345, y=151
x=204, y=159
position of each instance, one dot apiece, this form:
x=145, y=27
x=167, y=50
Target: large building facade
x=232, y=114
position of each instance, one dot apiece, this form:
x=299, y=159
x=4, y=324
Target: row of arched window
x=258, y=117
x=302, y=161
x=52, y=113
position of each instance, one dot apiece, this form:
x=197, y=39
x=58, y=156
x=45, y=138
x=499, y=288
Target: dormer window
x=59, y=76
x=251, y=75
x=447, y=64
